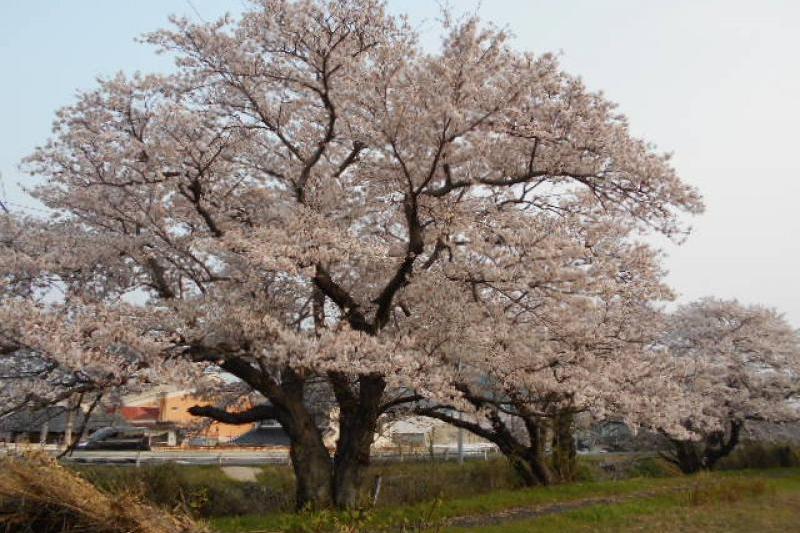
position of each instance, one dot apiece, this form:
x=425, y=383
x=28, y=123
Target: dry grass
x=712, y=490
x=39, y=496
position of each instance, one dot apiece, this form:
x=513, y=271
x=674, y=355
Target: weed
x=708, y=490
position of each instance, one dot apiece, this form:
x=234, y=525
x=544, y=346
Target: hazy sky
x=717, y=82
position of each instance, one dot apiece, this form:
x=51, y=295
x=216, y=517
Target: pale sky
x=717, y=82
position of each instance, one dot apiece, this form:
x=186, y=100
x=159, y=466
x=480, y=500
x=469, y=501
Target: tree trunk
x=541, y=470
x=564, y=452
x=692, y=457
x=530, y=465
x=312, y=469
x=688, y=456
x=720, y=444
x=349, y=466
x=311, y=460
x=358, y=419
x=524, y=469
x=527, y=460
x=541, y=474
x=321, y=482
x=535, y=453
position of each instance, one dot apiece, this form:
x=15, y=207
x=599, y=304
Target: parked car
x=118, y=438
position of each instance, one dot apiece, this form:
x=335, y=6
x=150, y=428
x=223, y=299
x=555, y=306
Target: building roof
x=263, y=436
x=30, y=421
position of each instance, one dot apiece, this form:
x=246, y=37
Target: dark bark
x=564, y=450
x=536, y=458
x=688, y=456
x=256, y=413
x=310, y=458
x=524, y=469
x=527, y=460
x=360, y=409
x=358, y=418
x=693, y=456
x=530, y=462
x=312, y=468
x=322, y=482
x=415, y=247
x=720, y=444
x=351, y=310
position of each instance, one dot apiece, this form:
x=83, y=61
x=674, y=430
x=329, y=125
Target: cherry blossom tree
x=311, y=196
x=740, y=362
x=575, y=340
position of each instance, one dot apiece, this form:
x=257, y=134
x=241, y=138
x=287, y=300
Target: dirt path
x=241, y=473
x=525, y=513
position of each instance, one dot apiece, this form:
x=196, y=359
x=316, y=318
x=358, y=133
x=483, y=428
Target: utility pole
x=3, y=199
x=69, y=427
x=460, y=437
x=460, y=443
x=43, y=433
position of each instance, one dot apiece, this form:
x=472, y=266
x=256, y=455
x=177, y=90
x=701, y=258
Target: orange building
x=171, y=407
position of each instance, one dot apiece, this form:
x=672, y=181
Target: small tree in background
x=738, y=363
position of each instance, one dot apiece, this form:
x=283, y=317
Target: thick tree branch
x=414, y=248
x=400, y=400
x=351, y=158
x=254, y=414
x=350, y=308
x=472, y=427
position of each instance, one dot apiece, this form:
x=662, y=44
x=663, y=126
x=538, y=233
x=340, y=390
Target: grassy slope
x=744, y=502
x=749, y=501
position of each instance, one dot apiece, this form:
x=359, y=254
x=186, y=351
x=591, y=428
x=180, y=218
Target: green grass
x=413, y=482
x=749, y=502
x=423, y=496
x=443, y=509
x=663, y=496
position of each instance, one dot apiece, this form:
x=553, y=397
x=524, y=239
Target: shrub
x=653, y=467
x=615, y=467
x=205, y=491
x=202, y=491
x=586, y=472
x=761, y=455
x=409, y=483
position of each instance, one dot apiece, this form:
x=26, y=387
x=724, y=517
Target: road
x=227, y=457
x=222, y=456
x=236, y=457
